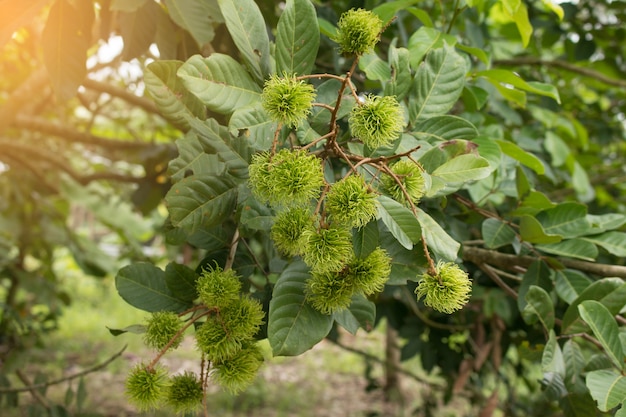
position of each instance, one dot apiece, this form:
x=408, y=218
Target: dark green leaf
x=193, y=160
x=531, y=231
x=566, y=219
x=605, y=329
x=246, y=26
x=365, y=239
x=253, y=125
x=256, y=216
x=570, y=284
x=500, y=77
x=445, y=128
x=65, y=40
x=539, y=306
x=406, y=265
x=571, y=248
x=613, y=242
x=575, y=362
x=134, y=328
x=609, y=291
x=578, y=405
x=387, y=10
x=143, y=286
x=200, y=201
x=360, y=314
x=497, y=233
x=234, y=152
x=605, y=222
x=193, y=16
x=537, y=274
x=220, y=82
x=181, y=281
x=374, y=68
x=139, y=29
x=293, y=325
x=424, y=40
x=552, y=358
x=171, y=97
x=81, y=394
x=401, y=77
x=297, y=38
x=400, y=221
x=438, y=84
x=437, y=239
x=520, y=155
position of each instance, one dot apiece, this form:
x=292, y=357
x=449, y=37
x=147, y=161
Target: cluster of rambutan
x=225, y=337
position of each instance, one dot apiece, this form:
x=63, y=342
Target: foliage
x=461, y=122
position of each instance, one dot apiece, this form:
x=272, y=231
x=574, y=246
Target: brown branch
x=20, y=152
x=22, y=96
x=496, y=278
x=564, y=65
x=71, y=135
x=29, y=387
x=32, y=387
x=125, y=95
x=508, y=261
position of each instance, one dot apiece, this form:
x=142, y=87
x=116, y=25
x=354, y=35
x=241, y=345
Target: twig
x=64, y=379
x=414, y=307
x=496, y=278
x=36, y=394
x=233, y=250
x=567, y=66
x=508, y=261
x=125, y=95
x=381, y=361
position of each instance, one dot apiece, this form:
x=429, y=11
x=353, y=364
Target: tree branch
x=125, y=95
x=567, y=66
x=71, y=135
x=480, y=256
x=94, y=368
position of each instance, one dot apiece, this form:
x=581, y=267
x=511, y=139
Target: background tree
x=512, y=114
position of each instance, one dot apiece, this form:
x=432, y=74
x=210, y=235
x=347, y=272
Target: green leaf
x=424, y=40
x=570, y=284
x=613, y=242
x=293, y=325
x=406, y=265
x=552, y=358
x=401, y=78
x=533, y=203
x=575, y=363
x=438, y=84
x=571, y=248
x=532, y=231
x=193, y=16
x=200, y=201
x=219, y=82
x=193, y=160
x=489, y=150
x=247, y=28
x=539, y=307
x=566, y=219
x=365, y=239
x=181, y=281
x=605, y=222
x=607, y=387
x=611, y=292
x=297, y=38
x=65, y=40
x=126, y=5
x=387, y=11
x=254, y=125
x=558, y=10
x=518, y=13
x=139, y=29
x=557, y=148
x=445, y=128
x=477, y=52
x=462, y=169
x=374, y=68
x=497, y=233
x=254, y=215
x=171, y=97
x=235, y=153
x=537, y=274
x=133, y=328
x=142, y=285
x=400, y=221
x=501, y=77
x=520, y=155
x=605, y=329
x=437, y=239
x=578, y=405
x=360, y=314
